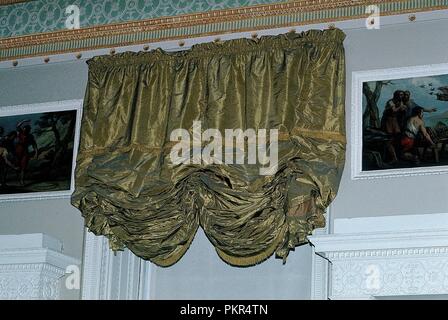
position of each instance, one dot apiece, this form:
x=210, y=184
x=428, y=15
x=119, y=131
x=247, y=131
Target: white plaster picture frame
x=14, y=112
x=356, y=139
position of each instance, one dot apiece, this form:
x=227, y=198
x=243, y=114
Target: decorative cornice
x=293, y=13
x=182, y=21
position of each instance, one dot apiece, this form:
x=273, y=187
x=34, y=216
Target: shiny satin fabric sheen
x=127, y=188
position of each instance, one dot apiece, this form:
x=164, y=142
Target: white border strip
x=110, y=276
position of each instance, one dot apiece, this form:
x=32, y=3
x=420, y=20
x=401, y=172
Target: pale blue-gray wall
x=410, y=44
x=201, y=274
x=53, y=217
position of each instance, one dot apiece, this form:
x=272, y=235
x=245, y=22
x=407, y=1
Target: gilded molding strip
x=180, y=21
x=202, y=24
x=8, y=2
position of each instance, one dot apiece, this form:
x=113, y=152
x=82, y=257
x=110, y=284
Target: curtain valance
x=129, y=189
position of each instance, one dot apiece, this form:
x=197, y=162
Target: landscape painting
x=405, y=123
x=37, y=152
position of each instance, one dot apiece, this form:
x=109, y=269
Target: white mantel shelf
x=387, y=257
x=407, y=241
x=31, y=266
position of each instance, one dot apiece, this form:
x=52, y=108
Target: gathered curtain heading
x=289, y=88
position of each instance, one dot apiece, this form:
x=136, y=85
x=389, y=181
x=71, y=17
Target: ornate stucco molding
x=293, y=13
x=32, y=266
x=387, y=257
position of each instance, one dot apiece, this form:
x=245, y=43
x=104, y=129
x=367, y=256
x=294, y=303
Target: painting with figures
x=37, y=151
x=405, y=123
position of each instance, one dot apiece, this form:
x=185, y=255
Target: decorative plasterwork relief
x=367, y=262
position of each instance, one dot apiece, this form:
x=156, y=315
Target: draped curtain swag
x=128, y=189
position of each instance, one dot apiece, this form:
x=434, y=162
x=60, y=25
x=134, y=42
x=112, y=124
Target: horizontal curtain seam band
x=332, y=135
x=337, y=136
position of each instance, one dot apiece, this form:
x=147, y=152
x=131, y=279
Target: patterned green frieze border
x=213, y=22
x=40, y=16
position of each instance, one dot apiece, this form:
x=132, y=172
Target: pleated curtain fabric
x=128, y=189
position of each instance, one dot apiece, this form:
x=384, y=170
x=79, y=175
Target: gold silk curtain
x=128, y=189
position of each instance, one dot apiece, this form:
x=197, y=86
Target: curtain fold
x=128, y=189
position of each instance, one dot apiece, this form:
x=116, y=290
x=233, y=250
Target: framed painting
x=399, y=122
x=38, y=147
